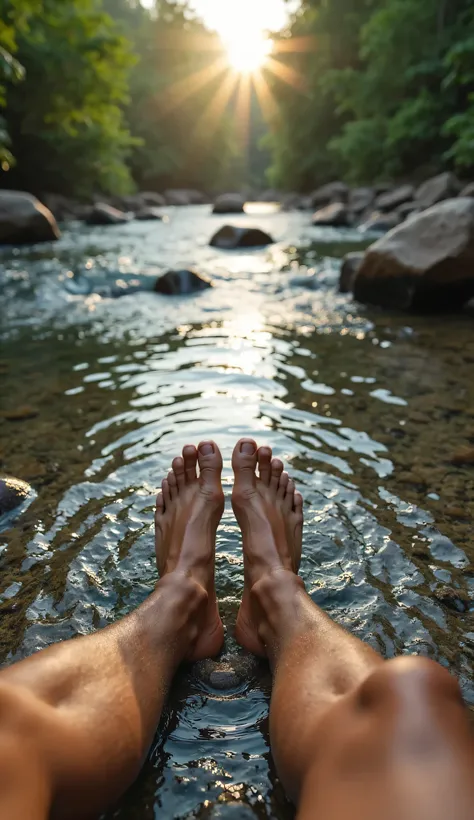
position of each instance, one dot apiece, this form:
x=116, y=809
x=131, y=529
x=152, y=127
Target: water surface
x=366, y=407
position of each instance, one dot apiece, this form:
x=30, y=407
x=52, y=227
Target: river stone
x=360, y=199
x=181, y=283
x=468, y=190
x=336, y=215
x=24, y=220
x=332, y=192
x=434, y=190
x=148, y=213
x=13, y=492
x=230, y=237
x=378, y=221
x=392, y=199
x=350, y=266
x=229, y=204
x=406, y=210
x=103, y=214
x=426, y=263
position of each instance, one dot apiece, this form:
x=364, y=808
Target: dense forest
x=104, y=95
x=389, y=91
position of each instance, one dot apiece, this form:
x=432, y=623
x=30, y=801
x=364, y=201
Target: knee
x=408, y=682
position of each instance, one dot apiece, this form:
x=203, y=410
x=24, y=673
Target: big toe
x=244, y=463
x=210, y=464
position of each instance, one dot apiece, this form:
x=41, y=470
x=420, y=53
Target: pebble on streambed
x=13, y=492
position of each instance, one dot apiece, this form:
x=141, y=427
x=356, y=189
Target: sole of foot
x=188, y=511
x=269, y=511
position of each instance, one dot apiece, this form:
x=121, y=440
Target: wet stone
x=13, y=492
x=231, y=237
x=454, y=599
x=181, y=283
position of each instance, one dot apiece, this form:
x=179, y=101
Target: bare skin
x=77, y=719
x=351, y=735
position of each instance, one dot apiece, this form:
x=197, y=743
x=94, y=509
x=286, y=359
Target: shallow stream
x=367, y=408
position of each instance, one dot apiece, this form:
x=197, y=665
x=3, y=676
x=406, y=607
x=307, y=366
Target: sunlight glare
x=248, y=53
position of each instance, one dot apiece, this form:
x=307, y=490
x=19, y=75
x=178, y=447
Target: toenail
x=206, y=449
x=247, y=448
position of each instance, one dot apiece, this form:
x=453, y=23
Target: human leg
x=351, y=734
x=77, y=719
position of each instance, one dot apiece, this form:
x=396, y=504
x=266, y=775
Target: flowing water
x=367, y=409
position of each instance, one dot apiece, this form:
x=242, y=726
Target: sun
x=248, y=53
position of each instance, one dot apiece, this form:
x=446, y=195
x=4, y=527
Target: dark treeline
x=389, y=92
x=103, y=95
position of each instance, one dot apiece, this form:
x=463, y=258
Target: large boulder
x=350, y=265
x=13, y=492
x=393, y=199
x=427, y=263
x=360, y=199
x=229, y=204
x=181, y=283
x=434, y=190
x=332, y=192
x=24, y=220
x=103, y=214
x=65, y=209
x=230, y=237
x=336, y=215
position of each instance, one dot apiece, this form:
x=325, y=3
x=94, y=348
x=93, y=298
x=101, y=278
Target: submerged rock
x=443, y=186
x=336, y=215
x=350, y=266
x=464, y=456
x=455, y=599
x=229, y=204
x=181, y=283
x=427, y=263
x=13, y=492
x=393, y=199
x=230, y=237
x=24, y=220
x=103, y=214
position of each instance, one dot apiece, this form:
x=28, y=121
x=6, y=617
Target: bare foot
x=270, y=514
x=188, y=511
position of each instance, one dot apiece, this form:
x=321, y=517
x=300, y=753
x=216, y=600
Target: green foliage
x=101, y=94
x=65, y=118
x=390, y=92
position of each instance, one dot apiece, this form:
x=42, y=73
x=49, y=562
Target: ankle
x=281, y=601
x=173, y=614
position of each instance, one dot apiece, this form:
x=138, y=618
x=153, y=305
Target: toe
x=160, y=505
x=178, y=469
x=277, y=469
x=210, y=465
x=264, y=457
x=173, y=485
x=289, y=499
x=244, y=462
x=190, y=457
x=284, y=479
x=165, y=489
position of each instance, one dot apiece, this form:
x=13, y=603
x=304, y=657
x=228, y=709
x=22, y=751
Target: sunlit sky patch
x=243, y=26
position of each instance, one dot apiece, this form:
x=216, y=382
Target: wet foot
x=188, y=510
x=270, y=514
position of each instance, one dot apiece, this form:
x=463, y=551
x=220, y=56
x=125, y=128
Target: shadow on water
x=367, y=408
